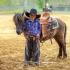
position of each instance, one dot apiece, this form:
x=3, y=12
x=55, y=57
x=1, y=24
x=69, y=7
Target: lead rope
x=51, y=40
x=42, y=43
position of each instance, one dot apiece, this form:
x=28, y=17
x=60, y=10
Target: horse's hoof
x=59, y=57
x=65, y=56
x=25, y=65
x=35, y=64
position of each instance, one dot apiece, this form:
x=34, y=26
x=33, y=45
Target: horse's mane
x=16, y=17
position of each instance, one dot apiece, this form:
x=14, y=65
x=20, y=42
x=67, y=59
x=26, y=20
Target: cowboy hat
x=32, y=11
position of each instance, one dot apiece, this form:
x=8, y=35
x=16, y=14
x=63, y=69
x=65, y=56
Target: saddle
x=48, y=24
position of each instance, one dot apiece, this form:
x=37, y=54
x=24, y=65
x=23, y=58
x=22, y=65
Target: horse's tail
x=65, y=32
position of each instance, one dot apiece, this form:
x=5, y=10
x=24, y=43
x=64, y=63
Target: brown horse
x=59, y=34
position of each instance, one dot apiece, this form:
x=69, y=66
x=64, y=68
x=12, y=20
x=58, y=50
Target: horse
x=59, y=34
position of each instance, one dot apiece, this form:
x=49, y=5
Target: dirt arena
x=12, y=48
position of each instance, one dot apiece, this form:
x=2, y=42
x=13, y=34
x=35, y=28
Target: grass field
x=12, y=48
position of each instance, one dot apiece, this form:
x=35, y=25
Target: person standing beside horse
x=32, y=49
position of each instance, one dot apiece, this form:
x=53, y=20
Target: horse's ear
x=27, y=14
x=38, y=16
x=22, y=13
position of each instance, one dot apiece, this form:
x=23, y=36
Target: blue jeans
x=32, y=50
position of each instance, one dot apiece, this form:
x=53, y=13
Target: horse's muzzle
x=18, y=32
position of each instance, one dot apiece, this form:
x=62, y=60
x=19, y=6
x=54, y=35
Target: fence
x=20, y=5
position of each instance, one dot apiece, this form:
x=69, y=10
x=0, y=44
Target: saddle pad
x=52, y=23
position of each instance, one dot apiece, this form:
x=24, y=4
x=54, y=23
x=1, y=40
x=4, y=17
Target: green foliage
x=40, y=3
x=4, y=2
x=11, y=2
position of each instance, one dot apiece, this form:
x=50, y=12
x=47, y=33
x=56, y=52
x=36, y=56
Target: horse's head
x=18, y=21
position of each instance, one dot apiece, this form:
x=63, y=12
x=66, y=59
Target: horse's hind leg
x=64, y=50
x=62, y=47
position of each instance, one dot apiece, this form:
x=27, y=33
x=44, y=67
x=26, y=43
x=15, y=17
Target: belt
x=31, y=36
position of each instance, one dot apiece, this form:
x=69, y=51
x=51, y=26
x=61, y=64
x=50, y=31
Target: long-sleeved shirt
x=33, y=27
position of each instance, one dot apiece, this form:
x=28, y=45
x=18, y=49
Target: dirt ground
x=12, y=48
